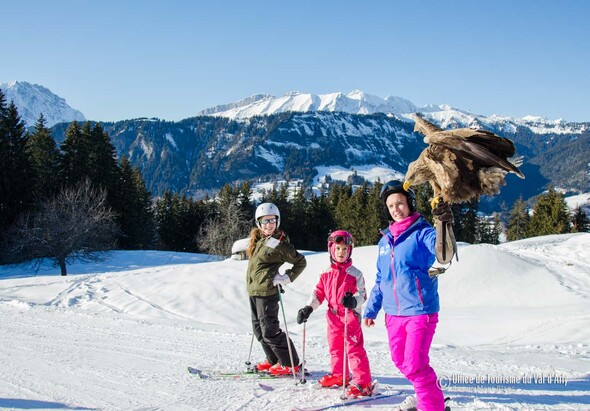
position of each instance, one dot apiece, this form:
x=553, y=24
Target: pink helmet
x=340, y=237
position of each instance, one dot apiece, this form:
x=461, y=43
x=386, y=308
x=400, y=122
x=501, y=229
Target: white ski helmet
x=267, y=209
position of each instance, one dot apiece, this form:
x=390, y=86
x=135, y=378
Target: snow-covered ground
x=514, y=333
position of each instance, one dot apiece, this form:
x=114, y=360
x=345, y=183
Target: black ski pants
x=265, y=323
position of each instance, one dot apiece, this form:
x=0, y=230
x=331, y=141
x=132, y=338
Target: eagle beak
x=406, y=185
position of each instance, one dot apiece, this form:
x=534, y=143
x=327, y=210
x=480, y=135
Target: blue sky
x=116, y=60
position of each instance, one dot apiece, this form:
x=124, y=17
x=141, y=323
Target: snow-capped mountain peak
x=359, y=102
x=34, y=99
x=355, y=102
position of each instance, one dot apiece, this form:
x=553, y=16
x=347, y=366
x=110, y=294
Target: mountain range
x=358, y=102
x=304, y=136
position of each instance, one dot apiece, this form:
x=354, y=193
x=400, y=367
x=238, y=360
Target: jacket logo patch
x=272, y=242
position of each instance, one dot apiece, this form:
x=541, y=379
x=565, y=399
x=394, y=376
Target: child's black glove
x=349, y=301
x=303, y=314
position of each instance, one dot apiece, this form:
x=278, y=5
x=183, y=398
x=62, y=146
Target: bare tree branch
x=74, y=225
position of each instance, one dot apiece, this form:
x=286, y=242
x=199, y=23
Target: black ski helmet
x=396, y=186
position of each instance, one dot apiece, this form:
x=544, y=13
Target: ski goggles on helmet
x=265, y=221
x=340, y=239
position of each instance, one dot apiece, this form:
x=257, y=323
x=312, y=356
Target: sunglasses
x=268, y=221
x=340, y=239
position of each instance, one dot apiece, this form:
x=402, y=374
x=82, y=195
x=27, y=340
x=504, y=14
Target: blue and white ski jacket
x=403, y=286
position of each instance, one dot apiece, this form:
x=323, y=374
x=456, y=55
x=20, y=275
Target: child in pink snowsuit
x=342, y=285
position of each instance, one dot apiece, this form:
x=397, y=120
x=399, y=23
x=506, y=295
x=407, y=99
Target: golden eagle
x=461, y=164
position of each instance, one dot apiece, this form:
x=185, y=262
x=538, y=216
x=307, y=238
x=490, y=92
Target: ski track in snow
x=122, y=340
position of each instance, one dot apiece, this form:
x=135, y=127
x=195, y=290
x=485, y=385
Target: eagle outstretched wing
x=461, y=164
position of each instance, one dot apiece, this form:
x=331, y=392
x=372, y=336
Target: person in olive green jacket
x=268, y=250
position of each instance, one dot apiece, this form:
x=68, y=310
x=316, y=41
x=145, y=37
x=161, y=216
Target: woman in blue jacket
x=407, y=294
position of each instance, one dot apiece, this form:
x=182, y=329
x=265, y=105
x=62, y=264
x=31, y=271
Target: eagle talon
x=434, y=202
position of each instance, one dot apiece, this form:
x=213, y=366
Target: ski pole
x=248, y=363
x=303, y=381
x=345, y=357
x=287, y=334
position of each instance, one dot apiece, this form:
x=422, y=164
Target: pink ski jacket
x=336, y=281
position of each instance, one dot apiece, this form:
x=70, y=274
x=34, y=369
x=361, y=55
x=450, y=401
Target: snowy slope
x=118, y=335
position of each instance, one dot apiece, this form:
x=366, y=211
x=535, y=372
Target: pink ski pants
x=409, y=343
x=358, y=361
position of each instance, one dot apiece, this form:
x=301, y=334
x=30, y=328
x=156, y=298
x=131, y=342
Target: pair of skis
x=349, y=402
x=244, y=375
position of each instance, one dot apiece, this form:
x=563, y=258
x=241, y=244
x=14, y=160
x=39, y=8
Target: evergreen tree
x=245, y=204
x=497, y=229
x=518, y=222
x=341, y=203
x=103, y=168
x=465, y=221
x=167, y=220
x=580, y=221
x=296, y=219
x=374, y=219
x=75, y=155
x=424, y=195
x=178, y=221
x=318, y=223
x=16, y=172
x=44, y=156
x=550, y=215
x=488, y=230
x=136, y=213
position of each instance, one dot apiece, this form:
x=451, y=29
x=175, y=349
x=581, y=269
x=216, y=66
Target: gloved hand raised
x=349, y=301
x=303, y=314
x=281, y=279
x=443, y=212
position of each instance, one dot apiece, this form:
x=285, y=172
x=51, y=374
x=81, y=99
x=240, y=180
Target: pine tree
x=550, y=215
x=580, y=221
x=103, y=167
x=75, y=154
x=244, y=199
x=167, y=220
x=374, y=218
x=296, y=219
x=318, y=223
x=465, y=221
x=16, y=172
x=488, y=230
x=424, y=194
x=136, y=213
x=45, y=158
x=342, y=206
x=519, y=220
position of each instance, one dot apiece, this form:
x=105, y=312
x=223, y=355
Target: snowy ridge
x=119, y=335
x=358, y=102
x=33, y=99
x=355, y=102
